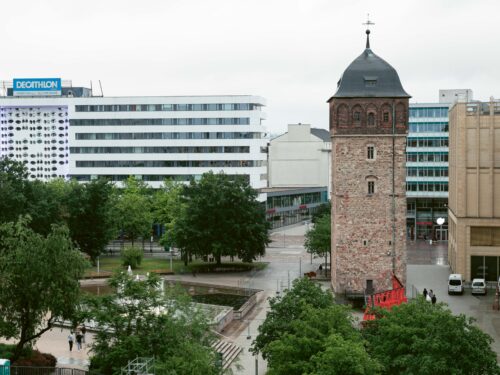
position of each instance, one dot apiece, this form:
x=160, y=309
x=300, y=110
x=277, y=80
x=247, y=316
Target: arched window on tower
x=356, y=115
x=371, y=119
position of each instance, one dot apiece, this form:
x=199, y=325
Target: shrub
x=29, y=357
x=132, y=256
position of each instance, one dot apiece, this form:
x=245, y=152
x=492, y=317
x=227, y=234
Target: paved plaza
x=287, y=258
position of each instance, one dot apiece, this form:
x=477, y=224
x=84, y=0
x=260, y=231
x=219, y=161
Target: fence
x=31, y=370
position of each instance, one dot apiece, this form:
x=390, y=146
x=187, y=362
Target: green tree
x=426, y=339
x=13, y=180
x=45, y=204
x=344, y=357
x=133, y=209
x=221, y=217
x=302, y=331
x=324, y=209
x=139, y=321
x=288, y=307
x=167, y=207
x=39, y=280
x=90, y=218
x=319, y=239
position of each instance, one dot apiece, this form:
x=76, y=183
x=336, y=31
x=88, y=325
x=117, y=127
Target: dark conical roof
x=370, y=76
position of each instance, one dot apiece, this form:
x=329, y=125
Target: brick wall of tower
x=362, y=223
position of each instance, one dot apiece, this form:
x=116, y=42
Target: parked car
x=479, y=286
x=455, y=283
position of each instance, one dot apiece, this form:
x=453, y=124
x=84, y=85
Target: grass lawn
x=112, y=264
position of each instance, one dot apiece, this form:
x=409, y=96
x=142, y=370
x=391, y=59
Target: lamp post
x=440, y=222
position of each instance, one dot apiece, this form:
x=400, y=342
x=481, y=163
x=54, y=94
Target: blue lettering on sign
x=37, y=86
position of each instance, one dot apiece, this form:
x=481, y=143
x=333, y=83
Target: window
x=386, y=116
x=371, y=187
x=485, y=236
x=371, y=119
x=357, y=116
x=371, y=152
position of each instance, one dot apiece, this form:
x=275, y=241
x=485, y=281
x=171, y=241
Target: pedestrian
x=425, y=293
x=79, y=340
x=84, y=330
x=70, y=340
x=433, y=299
x=431, y=293
x=428, y=298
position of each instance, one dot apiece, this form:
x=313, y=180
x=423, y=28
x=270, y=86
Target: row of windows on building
x=485, y=267
x=168, y=163
x=429, y=112
x=426, y=172
x=162, y=150
x=39, y=141
x=169, y=135
x=33, y=128
x=427, y=157
x=153, y=177
x=162, y=121
x=428, y=127
x=427, y=142
x=425, y=186
x=168, y=107
x=294, y=200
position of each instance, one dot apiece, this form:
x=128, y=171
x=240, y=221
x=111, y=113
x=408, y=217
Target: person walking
x=84, y=331
x=433, y=299
x=431, y=293
x=70, y=340
x=425, y=293
x=79, y=340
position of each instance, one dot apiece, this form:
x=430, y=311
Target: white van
x=479, y=286
x=455, y=283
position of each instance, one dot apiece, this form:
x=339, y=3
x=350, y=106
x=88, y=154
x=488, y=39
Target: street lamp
x=440, y=222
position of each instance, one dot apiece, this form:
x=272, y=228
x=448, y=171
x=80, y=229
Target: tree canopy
x=90, y=219
x=427, y=339
x=38, y=280
x=139, y=321
x=133, y=209
x=305, y=329
x=319, y=239
x=220, y=216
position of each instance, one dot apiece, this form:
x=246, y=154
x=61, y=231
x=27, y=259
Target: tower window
x=386, y=116
x=370, y=152
x=371, y=119
x=371, y=187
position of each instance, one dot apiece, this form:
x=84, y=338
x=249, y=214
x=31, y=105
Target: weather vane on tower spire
x=368, y=23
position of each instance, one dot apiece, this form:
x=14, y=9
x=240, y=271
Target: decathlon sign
x=37, y=86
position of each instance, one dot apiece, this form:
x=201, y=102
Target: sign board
x=37, y=87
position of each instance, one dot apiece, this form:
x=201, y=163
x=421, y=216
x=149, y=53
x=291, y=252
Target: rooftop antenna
x=102, y=94
x=368, y=23
x=91, y=90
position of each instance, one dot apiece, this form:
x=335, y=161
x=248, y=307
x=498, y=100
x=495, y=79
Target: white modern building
x=171, y=137
x=62, y=131
x=300, y=158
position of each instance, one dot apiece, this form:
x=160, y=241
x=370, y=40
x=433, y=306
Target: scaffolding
x=140, y=366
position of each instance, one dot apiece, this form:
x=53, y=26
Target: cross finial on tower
x=368, y=23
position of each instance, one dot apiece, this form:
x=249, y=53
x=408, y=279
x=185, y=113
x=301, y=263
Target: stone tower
x=368, y=124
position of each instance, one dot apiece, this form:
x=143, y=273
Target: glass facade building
x=427, y=171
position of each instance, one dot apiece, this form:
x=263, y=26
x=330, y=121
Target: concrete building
x=369, y=124
x=474, y=197
x=300, y=158
x=62, y=131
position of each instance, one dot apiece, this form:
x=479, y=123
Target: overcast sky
x=292, y=52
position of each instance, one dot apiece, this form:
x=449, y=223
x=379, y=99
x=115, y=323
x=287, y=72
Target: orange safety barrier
x=387, y=299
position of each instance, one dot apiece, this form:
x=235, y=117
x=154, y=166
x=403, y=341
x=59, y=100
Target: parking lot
x=428, y=268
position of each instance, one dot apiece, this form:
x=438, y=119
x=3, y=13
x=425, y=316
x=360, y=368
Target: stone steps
x=229, y=352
